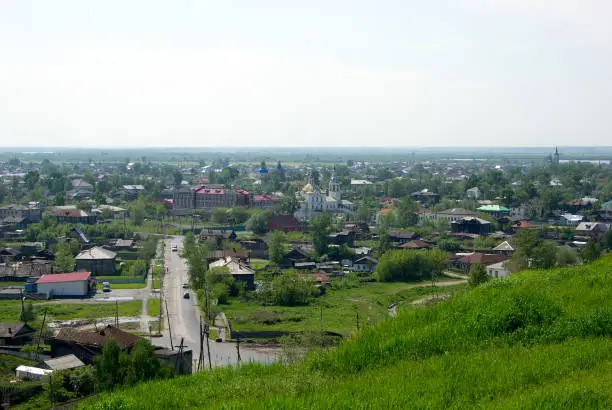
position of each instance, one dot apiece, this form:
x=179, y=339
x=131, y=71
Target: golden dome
x=307, y=189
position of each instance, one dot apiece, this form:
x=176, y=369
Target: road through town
x=184, y=316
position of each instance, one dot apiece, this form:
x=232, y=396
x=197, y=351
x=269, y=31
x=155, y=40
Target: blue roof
x=263, y=170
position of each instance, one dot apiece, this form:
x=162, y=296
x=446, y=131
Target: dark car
x=186, y=295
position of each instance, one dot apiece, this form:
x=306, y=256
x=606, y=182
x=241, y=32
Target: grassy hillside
x=540, y=339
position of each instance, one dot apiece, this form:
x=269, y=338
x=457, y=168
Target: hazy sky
x=305, y=73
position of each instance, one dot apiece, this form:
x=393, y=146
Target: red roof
x=265, y=198
x=64, y=277
x=384, y=211
x=415, y=245
x=207, y=191
x=483, y=259
x=69, y=212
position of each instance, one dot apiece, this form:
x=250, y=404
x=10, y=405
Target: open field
x=10, y=310
x=336, y=311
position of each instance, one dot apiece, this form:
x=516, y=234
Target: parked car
x=186, y=295
x=106, y=287
x=175, y=248
x=185, y=285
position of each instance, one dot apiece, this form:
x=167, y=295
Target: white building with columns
x=312, y=200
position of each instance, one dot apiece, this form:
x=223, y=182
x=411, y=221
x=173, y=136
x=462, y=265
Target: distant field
x=336, y=311
x=10, y=310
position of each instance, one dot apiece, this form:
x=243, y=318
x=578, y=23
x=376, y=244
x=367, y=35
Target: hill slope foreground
x=539, y=339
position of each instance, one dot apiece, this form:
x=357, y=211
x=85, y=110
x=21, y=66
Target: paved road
x=185, y=319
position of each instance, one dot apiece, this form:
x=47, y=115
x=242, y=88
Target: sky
x=320, y=73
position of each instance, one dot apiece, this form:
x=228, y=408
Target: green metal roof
x=493, y=208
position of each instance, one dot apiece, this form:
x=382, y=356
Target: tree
x=276, y=249
x=64, y=258
x=138, y=213
x=289, y=289
x=82, y=380
x=566, y=256
x=607, y=240
x=27, y=315
x=320, y=230
x=219, y=215
x=409, y=265
x=239, y=215
x=477, y=274
x=109, y=366
x=592, y=251
x=404, y=212
x=143, y=365
x=258, y=223
x=31, y=179
x=178, y=177
x=288, y=205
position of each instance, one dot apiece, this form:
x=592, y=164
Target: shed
x=66, y=362
x=34, y=373
x=64, y=284
x=15, y=333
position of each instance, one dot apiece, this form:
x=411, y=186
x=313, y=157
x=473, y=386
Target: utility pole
x=169, y=329
x=238, y=347
x=357, y=320
x=201, y=345
x=207, y=330
x=116, y=313
x=22, y=307
x=41, y=330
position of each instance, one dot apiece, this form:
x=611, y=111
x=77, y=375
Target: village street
x=184, y=316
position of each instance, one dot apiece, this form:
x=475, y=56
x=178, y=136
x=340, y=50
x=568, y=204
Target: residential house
x=32, y=214
x=257, y=248
x=81, y=185
x=295, y=255
x=341, y=238
x=415, y=244
x=361, y=230
x=239, y=270
x=228, y=253
x=123, y=244
x=132, y=192
x=505, y=248
x=217, y=235
x=498, y=270
x=425, y=196
x=88, y=344
x=400, y=235
x=496, y=211
x=74, y=216
x=471, y=225
x=381, y=214
x=97, y=260
x=16, y=333
x=591, y=229
x=477, y=258
x=284, y=223
x=78, y=233
x=114, y=212
x=365, y=264
x=571, y=220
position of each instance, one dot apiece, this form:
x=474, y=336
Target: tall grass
x=540, y=339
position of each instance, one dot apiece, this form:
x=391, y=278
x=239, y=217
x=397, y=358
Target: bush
x=409, y=265
x=292, y=290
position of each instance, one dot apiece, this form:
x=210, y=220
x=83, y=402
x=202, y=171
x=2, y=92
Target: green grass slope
x=540, y=339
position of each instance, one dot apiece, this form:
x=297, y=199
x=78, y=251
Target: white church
x=313, y=201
